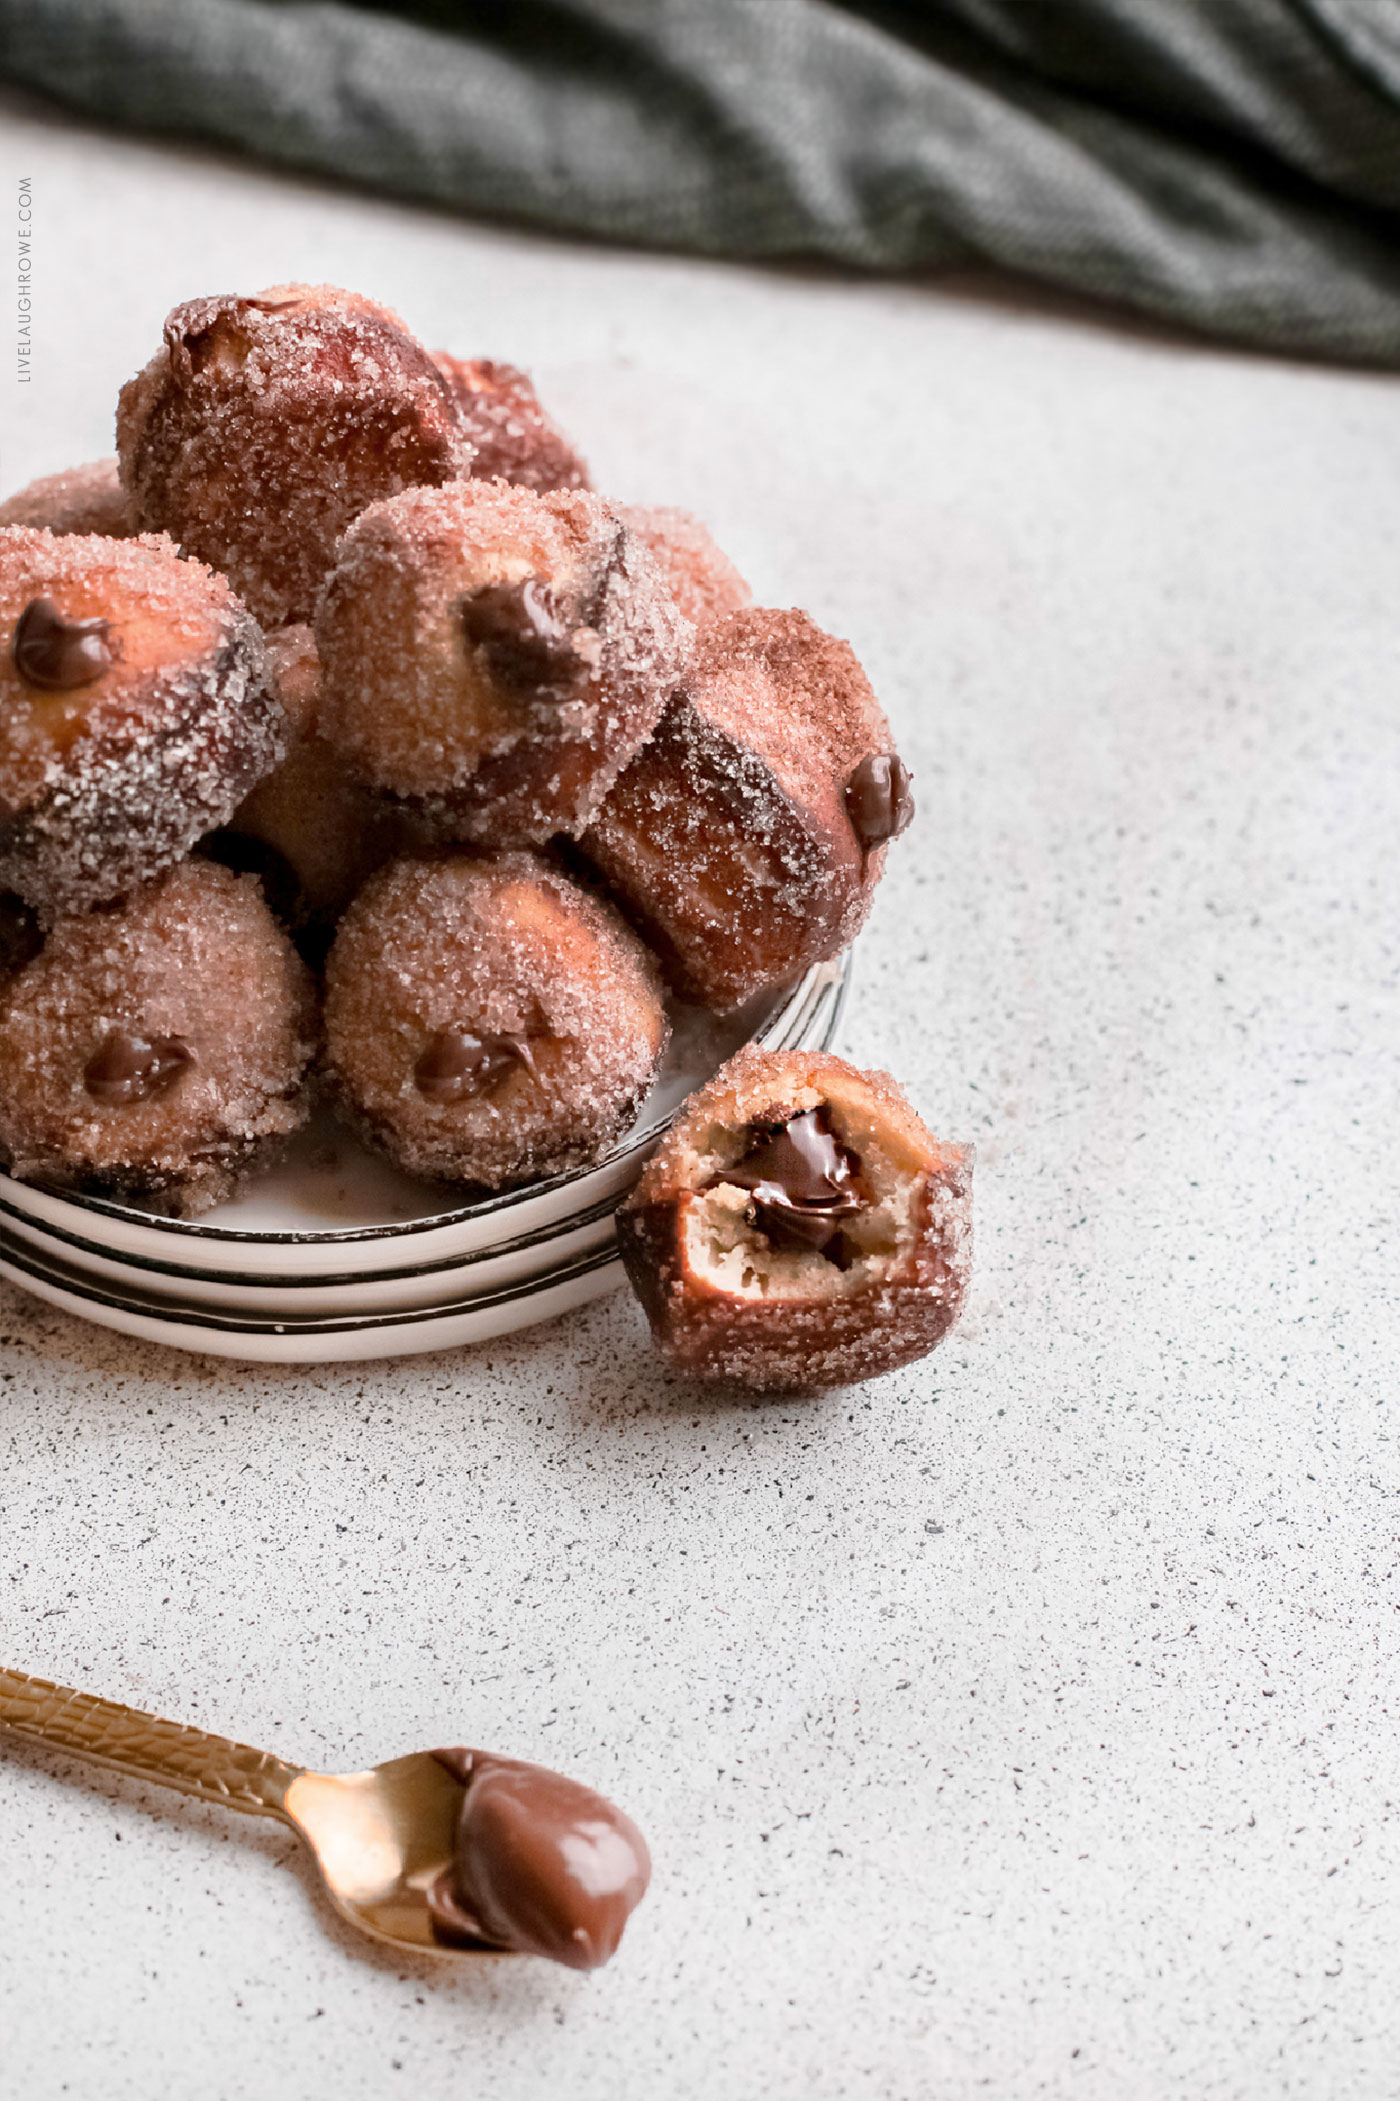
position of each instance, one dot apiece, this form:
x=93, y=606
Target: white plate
x=272, y=1278
x=329, y=1340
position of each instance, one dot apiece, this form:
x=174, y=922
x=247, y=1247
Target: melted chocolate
x=543, y=1866
x=523, y=635
x=130, y=1068
x=878, y=801
x=56, y=654
x=803, y=1182
x=457, y=1063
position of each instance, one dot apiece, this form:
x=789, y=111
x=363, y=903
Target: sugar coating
x=328, y=832
x=194, y=955
x=87, y=499
x=727, y=839
x=263, y=426
x=704, y=580
x=416, y=707
x=103, y=786
x=726, y=1304
x=513, y=437
x=504, y=945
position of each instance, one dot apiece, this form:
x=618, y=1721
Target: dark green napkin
x=1231, y=164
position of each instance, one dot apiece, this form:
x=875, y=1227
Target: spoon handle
x=212, y=1767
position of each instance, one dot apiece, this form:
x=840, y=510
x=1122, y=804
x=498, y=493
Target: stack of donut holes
x=352, y=746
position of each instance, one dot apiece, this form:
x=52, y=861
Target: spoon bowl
x=380, y=1840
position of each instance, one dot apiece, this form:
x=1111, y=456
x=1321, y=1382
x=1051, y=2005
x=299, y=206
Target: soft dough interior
x=731, y=1255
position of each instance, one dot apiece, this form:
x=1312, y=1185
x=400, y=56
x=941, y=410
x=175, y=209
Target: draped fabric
x=1233, y=165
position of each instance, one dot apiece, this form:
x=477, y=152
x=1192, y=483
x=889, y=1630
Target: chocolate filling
x=803, y=1182
x=130, y=1068
x=56, y=654
x=521, y=631
x=457, y=1062
x=542, y=1866
x=878, y=800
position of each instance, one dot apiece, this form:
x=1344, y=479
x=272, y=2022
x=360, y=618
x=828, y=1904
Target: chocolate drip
x=803, y=1182
x=878, y=800
x=458, y=1062
x=522, y=633
x=130, y=1068
x=543, y=1865
x=56, y=654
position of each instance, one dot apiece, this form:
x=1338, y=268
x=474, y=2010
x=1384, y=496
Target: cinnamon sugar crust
x=705, y=582
x=309, y=830
x=106, y=782
x=264, y=425
x=86, y=499
x=728, y=1300
x=514, y=439
x=487, y=1020
x=193, y=963
x=728, y=840
x=494, y=657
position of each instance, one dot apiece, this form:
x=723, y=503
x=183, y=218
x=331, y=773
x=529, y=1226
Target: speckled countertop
x=1025, y=1723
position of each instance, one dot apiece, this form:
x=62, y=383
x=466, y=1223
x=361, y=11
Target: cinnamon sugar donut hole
x=488, y=1021
x=135, y=713
x=704, y=581
x=798, y=1227
x=155, y=1050
x=493, y=658
x=310, y=833
x=87, y=499
x=514, y=439
x=746, y=839
x=262, y=426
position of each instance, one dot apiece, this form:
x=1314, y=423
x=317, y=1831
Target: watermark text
x=25, y=309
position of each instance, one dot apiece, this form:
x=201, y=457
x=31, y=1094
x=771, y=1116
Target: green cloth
x=1230, y=164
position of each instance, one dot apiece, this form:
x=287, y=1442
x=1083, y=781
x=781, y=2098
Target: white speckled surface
x=1024, y=1724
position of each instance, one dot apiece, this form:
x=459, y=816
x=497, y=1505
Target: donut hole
x=487, y=1020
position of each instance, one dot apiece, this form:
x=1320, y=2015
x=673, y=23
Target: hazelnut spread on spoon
x=544, y=1866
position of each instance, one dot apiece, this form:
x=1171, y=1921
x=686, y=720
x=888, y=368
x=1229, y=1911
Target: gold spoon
x=380, y=1839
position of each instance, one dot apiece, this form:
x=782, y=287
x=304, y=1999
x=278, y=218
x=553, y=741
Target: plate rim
x=181, y=1313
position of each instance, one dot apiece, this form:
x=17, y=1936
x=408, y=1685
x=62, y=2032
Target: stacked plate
x=337, y=1256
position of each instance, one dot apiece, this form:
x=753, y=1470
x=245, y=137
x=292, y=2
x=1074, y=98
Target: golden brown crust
x=514, y=439
x=809, y=1326
x=727, y=840
x=507, y=951
x=309, y=831
x=193, y=958
x=423, y=709
x=86, y=499
x=706, y=584
x=105, y=783
x=264, y=425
